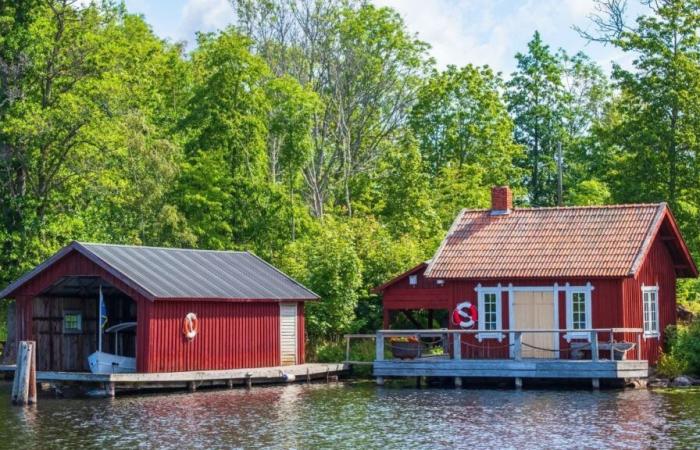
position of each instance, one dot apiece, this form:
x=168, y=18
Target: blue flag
x=103, y=310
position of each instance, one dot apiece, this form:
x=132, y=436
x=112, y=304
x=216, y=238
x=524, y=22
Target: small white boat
x=101, y=362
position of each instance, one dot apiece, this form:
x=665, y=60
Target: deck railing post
x=612, y=346
x=457, y=346
x=517, y=352
x=594, y=345
x=380, y=353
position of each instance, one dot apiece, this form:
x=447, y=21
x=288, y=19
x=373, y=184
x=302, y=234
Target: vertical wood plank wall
x=609, y=307
x=657, y=270
x=230, y=335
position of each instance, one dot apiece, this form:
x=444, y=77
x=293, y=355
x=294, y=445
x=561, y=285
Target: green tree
x=534, y=94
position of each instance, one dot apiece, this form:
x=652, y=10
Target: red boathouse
x=562, y=268
x=189, y=309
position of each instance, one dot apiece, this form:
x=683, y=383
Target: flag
x=103, y=310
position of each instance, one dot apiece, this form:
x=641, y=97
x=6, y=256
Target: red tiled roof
x=601, y=241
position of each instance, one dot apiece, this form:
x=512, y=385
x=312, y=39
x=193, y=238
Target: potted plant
x=405, y=347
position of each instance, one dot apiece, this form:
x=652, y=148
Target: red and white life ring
x=465, y=315
x=189, y=326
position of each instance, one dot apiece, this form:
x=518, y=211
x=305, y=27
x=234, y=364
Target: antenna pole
x=560, y=170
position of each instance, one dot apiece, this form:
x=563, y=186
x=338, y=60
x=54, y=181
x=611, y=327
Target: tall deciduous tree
x=651, y=133
x=363, y=65
x=535, y=93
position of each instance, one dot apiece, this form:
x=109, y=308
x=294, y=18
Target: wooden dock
x=113, y=383
x=496, y=368
x=608, y=358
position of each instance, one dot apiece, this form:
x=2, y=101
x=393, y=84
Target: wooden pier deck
x=497, y=368
x=608, y=358
x=122, y=382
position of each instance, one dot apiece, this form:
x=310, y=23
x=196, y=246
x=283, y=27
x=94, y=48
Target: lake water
x=360, y=415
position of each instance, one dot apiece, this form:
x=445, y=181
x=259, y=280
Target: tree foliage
x=321, y=135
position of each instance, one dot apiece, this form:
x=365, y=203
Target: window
x=72, y=322
x=578, y=309
x=489, y=313
x=650, y=303
x=578, y=312
x=413, y=280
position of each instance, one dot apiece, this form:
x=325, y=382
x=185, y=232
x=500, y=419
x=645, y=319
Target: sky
x=459, y=31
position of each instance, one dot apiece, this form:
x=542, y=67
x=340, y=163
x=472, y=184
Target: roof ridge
x=159, y=248
x=547, y=208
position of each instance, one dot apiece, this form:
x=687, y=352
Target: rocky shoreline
x=682, y=381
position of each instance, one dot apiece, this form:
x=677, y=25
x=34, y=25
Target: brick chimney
x=501, y=200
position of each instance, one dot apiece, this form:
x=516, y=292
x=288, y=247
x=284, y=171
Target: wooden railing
x=504, y=344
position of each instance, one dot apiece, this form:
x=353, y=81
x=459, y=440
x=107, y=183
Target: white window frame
x=481, y=293
x=649, y=290
x=570, y=291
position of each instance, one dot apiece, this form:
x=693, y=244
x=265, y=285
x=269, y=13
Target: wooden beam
x=411, y=318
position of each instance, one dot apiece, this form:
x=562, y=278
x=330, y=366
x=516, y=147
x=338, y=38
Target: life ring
x=189, y=326
x=465, y=315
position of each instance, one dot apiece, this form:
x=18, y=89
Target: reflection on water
x=360, y=416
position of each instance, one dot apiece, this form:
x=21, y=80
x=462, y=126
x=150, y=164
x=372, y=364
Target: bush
x=683, y=344
x=670, y=366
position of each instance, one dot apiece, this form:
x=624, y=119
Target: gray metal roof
x=167, y=273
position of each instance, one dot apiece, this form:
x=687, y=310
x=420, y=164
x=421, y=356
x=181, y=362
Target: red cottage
x=566, y=268
x=159, y=310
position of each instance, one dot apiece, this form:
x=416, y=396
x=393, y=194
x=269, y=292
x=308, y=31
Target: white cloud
x=492, y=31
x=204, y=15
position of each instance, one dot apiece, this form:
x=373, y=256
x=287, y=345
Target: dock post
x=32, y=375
x=229, y=383
x=308, y=376
x=248, y=380
x=110, y=389
x=595, y=382
x=379, y=344
x=20, y=385
x=457, y=352
x=191, y=386
x=518, y=383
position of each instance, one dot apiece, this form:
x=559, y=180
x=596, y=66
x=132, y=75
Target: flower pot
x=405, y=350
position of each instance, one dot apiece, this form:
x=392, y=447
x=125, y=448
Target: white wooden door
x=288, y=333
x=535, y=311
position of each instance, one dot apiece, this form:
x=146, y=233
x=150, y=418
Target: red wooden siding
x=657, y=270
x=606, y=306
x=230, y=335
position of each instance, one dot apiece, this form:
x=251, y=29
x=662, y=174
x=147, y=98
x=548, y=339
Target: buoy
x=465, y=315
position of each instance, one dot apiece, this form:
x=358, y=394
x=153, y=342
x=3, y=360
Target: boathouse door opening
x=534, y=310
x=66, y=318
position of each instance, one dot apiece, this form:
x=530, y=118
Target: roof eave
x=412, y=270
x=663, y=213
x=436, y=257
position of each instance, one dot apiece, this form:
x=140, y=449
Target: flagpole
x=99, y=323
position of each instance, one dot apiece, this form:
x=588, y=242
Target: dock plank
x=532, y=368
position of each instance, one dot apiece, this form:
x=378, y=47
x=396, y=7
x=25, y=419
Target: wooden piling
x=32, y=375
x=24, y=384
